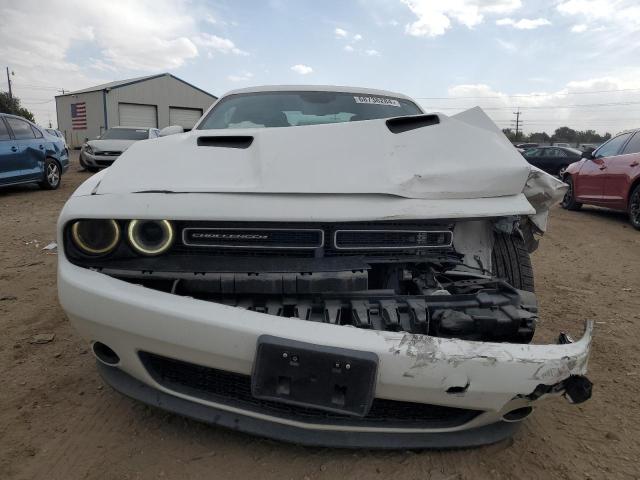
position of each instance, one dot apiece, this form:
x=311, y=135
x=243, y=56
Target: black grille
x=235, y=389
x=104, y=163
x=390, y=239
x=379, y=239
x=253, y=238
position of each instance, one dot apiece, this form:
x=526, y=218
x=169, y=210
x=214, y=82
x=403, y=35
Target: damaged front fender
x=488, y=375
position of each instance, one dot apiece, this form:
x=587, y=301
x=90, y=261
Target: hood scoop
x=404, y=124
x=227, y=141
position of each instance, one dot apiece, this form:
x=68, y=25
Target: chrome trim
x=185, y=230
x=411, y=247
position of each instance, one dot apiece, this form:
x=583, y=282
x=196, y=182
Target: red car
x=608, y=177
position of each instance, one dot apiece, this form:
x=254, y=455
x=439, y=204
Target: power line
x=531, y=95
x=553, y=107
x=31, y=102
x=40, y=87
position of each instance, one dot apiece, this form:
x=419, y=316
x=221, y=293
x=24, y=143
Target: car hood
x=463, y=156
x=111, y=145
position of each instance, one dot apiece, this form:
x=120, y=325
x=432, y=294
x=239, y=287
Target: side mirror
x=588, y=154
x=171, y=130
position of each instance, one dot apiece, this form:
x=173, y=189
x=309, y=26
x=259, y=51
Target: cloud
x=244, y=77
x=340, y=33
x=548, y=110
x=141, y=36
x=302, y=69
x=625, y=13
x=435, y=18
x=524, y=23
x=348, y=48
x=217, y=44
x=343, y=34
x=579, y=28
x=372, y=53
x=95, y=42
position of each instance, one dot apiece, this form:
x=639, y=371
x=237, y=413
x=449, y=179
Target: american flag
x=78, y=116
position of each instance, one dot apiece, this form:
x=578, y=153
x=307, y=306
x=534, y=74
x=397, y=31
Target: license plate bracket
x=326, y=378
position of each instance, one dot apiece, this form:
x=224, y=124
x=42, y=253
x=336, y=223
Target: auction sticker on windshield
x=377, y=101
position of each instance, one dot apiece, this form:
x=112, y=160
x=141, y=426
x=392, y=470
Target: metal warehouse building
x=152, y=101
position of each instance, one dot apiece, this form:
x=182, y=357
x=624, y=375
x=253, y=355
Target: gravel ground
x=58, y=421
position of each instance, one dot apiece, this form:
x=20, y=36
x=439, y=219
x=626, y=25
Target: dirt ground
x=58, y=421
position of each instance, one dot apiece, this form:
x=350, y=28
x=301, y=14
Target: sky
x=561, y=62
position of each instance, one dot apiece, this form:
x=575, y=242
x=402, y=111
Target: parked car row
x=28, y=154
x=553, y=160
x=105, y=149
x=607, y=177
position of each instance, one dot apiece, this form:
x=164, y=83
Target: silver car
x=104, y=150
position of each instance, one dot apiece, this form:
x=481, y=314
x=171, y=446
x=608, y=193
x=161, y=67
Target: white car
x=324, y=265
x=104, y=150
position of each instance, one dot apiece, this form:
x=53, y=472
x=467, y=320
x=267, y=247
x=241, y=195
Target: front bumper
x=97, y=160
x=492, y=378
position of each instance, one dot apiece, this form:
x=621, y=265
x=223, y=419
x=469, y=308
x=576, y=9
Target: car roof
x=15, y=116
x=317, y=88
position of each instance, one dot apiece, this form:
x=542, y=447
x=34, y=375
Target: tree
x=510, y=134
x=564, y=134
x=539, y=137
x=12, y=105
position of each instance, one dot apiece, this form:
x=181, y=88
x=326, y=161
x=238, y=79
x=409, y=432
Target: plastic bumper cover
x=494, y=378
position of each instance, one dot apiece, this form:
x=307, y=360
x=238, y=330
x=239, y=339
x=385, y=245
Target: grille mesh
x=235, y=389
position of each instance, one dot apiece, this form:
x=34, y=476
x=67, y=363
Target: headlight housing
x=150, y=237
x=95, y=236
x=87, y=149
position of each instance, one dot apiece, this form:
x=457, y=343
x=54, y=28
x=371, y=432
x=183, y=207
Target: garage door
x=132, y=115
x=185, y=117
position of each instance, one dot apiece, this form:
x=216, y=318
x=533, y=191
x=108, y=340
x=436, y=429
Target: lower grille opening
x=235, y=390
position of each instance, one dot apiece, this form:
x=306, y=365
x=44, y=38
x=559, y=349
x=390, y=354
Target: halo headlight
x=95, y=236
x=150, y=237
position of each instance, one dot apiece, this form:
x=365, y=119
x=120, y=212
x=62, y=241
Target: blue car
x=28, y=155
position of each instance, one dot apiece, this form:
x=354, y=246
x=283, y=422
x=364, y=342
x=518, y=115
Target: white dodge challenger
x=322, y=265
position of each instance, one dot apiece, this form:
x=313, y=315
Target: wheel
x=52, y=175
x=92, y=169
x=510, y=260
x=634, y=207
x=569, y=201
x=560, y=173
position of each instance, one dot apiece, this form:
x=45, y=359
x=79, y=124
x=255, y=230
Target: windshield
x=125, y=134
x=288, y=109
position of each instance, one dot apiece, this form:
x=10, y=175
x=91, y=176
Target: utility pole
x=9, y=82
x=518, y=123
x=62, y=90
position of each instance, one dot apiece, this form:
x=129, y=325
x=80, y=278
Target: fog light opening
x=518, y=414
x=105, y=354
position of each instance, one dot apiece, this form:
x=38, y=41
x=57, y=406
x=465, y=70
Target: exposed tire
x=634, y=207
x=52, y=175
x=92, y=169
x=511, y=261
x=561, y=171
x=569, y=201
